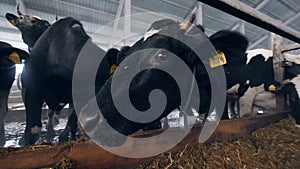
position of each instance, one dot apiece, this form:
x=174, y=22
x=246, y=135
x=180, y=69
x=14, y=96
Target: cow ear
x=18, y=55
x=14, y=57
x=11, y=18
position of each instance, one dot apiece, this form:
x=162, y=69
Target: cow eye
x=162, y=56
x=33, y=21
x=21, y=17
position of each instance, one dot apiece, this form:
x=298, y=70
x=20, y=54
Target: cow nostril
x=162, y=56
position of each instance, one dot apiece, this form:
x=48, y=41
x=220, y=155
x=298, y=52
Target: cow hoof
x=166, y=126
x=31, y=136
x=63, y=137
x=22, y=140
x=28, y=139
x=2, y=142
x=50, y=135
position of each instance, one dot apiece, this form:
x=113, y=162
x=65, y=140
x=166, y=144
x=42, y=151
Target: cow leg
x=233, y=108
x=72, y=122
x=166, y=123
x=71, y=126
x=50, y=130
x=3, y=112
x=33, y=105
x=225, y=112
x=230, y=110
x=237, y=109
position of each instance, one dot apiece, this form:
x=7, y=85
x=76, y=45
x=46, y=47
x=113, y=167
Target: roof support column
x=278, y=69
x=116, y=22
x=127, y=20
x=199, y=14
x=242, y=27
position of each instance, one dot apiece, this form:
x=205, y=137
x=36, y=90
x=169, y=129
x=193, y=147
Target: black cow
x=32, y=28
x=9, y=56
x=49, y=73
x=53, y=58
x=150, y=79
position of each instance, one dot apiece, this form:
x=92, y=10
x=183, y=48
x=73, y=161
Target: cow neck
x=190, y=92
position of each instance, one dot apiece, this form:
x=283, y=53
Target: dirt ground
x=277, y=146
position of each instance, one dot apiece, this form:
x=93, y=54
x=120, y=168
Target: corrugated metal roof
x=96, y=13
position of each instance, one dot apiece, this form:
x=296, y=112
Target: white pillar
x=127, y=20
x=199, y=14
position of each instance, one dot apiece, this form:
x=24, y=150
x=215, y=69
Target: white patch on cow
x=297, y=125
x=266, y=53
x=76, y=26
x=37, y=17
x=248, y=82
x=269, y=53
x=296, y=82
x=150, y=33
x=260, y=111
x=292, y=58
x=36, y=130
x=212, y=116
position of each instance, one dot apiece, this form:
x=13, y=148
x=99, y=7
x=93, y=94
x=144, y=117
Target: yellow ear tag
x=15, y=58
x=113, y=68
x=218, y=60
x=272, y=88
x=12, y=22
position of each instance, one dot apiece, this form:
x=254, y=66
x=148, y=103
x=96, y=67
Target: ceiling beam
x=288, y=21
x=83, y=7
x=290, y=47
x=263, y=38
x=258, y=42
x=235, y=26
x=160, y=15
x=242, y=11
x=262, y=4
x=177, y=5
x=240, y=26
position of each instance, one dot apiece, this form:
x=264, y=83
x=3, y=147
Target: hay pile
x=276, y=146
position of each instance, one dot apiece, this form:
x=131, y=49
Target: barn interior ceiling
x=104, y=19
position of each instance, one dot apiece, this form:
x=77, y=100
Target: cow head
x=260, y=71
x=233, y=45
x=31, y=27
x=153, y=52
